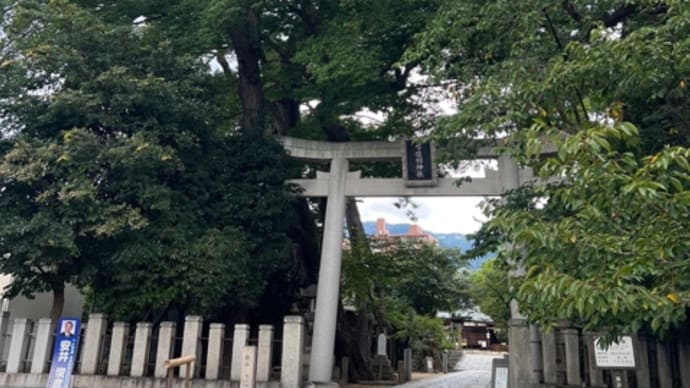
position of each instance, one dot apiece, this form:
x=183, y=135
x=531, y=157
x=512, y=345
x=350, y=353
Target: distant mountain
x=445, y=240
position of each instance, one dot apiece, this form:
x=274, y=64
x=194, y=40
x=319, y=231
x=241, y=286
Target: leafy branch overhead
x=605, y=243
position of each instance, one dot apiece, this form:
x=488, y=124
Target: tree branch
x=618, y=15
x=223, y=63
x=570, y=9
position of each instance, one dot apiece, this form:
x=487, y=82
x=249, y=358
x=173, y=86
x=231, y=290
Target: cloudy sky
x=435, y=214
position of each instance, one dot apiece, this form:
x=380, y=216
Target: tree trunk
x=353, y=340
x=245, y=37
x=58, y=302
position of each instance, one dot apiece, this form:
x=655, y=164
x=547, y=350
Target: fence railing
x=117, y=350
x=565, y=357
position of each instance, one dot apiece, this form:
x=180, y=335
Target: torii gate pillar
x=326, y=315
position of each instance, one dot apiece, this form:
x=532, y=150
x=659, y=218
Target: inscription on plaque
x=617, y=355
x=418, y=166
x=248, y=369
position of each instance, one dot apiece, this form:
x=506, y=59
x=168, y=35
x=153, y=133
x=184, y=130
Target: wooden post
x=187, y=362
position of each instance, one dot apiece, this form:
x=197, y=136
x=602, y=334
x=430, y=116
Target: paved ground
x=472, y=371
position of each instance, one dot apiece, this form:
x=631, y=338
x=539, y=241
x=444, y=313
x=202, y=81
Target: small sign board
x=418, y=164
x=381, y=345
x=499, y=373
x=64, y=353
x=617, y=356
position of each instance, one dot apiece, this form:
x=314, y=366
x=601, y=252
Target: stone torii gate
x=419, y=179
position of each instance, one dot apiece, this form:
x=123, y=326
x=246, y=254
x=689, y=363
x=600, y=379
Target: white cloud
x=435, y=214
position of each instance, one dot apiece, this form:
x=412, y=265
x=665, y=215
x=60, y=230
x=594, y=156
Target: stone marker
x=382, y=342
x=407, y=359
x=248, y=367
x=240, y=336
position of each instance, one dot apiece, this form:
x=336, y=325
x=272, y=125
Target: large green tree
x=297, y=67
x=124, y=172
x=606, y=83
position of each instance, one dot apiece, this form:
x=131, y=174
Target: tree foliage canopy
x=123, y=173
x=605, y=83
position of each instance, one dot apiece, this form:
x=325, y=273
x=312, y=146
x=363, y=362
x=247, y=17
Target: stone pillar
x=18, y=345
x=596, y=375
x=4, y=324
x=407, y=362
x=164, y=350
x=535, y=354
x=265, y=353
x=684, y=361
x=508, y=172
x=641, y=362
x=214, y=351
x=42, y=348
x=519, y=362
x=548, y=346
x=323, y=340
x=248, y=367
x=518, y=332
x=93, y=340
x=140, y=354
x=663, y=364
x=240, y=336
x=572, y=356
x=118, y=340
x=344, y=370
x=293, y=346
x=190, y=342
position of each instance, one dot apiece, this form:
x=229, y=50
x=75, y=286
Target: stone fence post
x=240, y=336
x=18, y=345
x=164, y=350
x=93, y=340
x=190, y=342
x=293, y=348
x=140, y=355
x=214, y=351
x=39, y=362
x=118, y=340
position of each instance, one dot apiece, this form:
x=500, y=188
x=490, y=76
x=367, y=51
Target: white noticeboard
x=617, y=355
x=501, y=378
x=381, y=345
